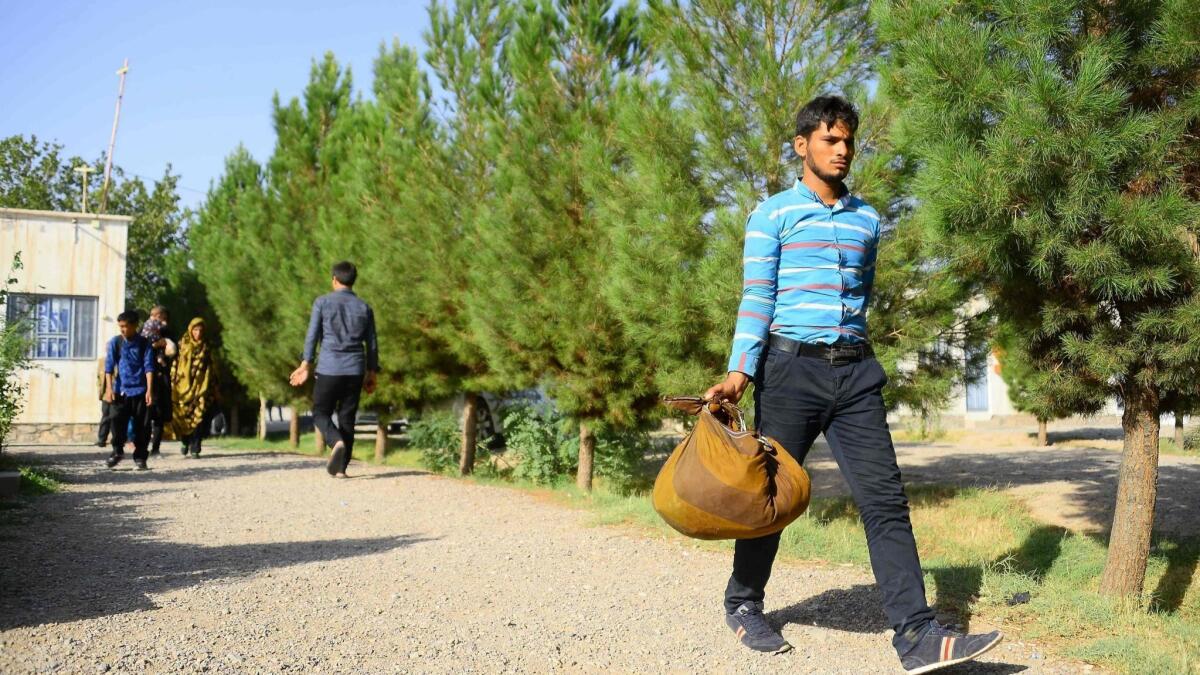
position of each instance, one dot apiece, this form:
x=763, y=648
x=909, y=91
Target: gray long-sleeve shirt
x=344, y=326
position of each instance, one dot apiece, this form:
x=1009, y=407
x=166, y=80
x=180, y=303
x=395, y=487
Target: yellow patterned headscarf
x=193, y=382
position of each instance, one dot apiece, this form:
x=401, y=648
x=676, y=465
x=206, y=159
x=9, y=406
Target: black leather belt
x=835, y=353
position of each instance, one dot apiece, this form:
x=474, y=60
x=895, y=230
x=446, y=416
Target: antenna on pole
x=84, y=170
x=112, y=141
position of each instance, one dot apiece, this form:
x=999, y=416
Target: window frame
x=71, y=334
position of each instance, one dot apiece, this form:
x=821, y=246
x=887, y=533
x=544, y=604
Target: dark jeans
x=798, y=397
x=337, y=392
x=106, y=415
x=128, y=409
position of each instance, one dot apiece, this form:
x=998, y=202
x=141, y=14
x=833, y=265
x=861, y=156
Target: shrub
x=546, y=446
x=438, y=438
x=14, y=357
x=621, y=457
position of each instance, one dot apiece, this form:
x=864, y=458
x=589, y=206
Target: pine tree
x=1058, y=162
x=541, y=244
x=1027, y=382
x=465, y=51
x=227, y=255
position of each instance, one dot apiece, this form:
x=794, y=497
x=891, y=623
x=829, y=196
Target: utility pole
x=84, y=170
x=112, y=140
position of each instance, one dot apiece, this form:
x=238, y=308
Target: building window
x=60, y=327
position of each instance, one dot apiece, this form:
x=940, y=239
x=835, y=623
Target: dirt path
x=1072, y=484
x=261, y=563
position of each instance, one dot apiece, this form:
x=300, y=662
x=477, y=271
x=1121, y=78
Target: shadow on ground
x=87, y=554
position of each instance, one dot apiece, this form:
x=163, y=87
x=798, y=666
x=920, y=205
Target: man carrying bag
x=801, y=335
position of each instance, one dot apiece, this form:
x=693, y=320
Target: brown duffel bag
x=725, y=482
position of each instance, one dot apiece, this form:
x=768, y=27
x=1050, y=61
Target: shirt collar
x=842, y=202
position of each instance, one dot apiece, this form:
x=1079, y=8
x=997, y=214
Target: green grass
x=979, y=548
x=364, y=449
x=1167, y=446
x=36, y=477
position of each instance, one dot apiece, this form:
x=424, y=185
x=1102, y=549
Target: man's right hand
x=108, y=396
x=299, y=375
x=730, y=389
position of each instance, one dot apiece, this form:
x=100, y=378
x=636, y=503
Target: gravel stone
x=249, y=563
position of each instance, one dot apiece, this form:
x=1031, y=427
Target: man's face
x=128, y=330
x=827, y=152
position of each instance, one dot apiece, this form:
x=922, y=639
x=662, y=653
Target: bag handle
x=692, y=405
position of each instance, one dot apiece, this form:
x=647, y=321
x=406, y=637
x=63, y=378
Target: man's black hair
x=129, y=316
x=345, y=272
x=827, y=109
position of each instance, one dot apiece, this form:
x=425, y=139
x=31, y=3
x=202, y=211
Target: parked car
x=367, y=421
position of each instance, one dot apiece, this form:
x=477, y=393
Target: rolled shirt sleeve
x=760, y=266
x=148, y=364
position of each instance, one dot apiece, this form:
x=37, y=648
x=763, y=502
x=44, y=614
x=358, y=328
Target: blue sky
x=201, y=73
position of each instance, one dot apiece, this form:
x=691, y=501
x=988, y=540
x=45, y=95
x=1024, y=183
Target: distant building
x=71, y=289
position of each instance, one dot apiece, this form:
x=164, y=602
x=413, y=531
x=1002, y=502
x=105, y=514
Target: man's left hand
x=369, y=383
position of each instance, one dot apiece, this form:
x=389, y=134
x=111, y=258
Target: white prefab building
x=71, y=289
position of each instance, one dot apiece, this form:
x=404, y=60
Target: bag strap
x=692, y=405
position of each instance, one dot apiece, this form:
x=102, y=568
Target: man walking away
x=801, y=336
x=344, y=326
x=129, y=381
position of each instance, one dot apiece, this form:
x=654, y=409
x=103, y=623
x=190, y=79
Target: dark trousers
x=340, y=393
x=192, y=442
x=127, y=409
x=106, y=414
x=160, y=412
x=798, y=397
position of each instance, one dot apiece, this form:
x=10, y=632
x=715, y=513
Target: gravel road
x=262, y=563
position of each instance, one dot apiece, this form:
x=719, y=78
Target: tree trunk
x=1178, y=430
x=294, y=430
x=262, y=417
x=587, y=456
x=470, y=431
x=1043, y=436
x=1133, y=517
x=234, y=421
x=319, y=441
x=380, y=440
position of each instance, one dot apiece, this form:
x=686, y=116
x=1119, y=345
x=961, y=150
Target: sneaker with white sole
x=941, y=647
x=753, y=631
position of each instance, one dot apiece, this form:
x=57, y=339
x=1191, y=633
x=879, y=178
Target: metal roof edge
x=65, y=215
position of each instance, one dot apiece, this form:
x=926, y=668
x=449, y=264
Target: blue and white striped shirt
x=808, y=272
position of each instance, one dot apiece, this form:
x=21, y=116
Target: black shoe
x=337, y=459
x=184, y=450
x=753, y=631
x=941, y=647
x=154, y=453
x=112, y=461
x=195, y=455
x=101, y=444
x=140, y=464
